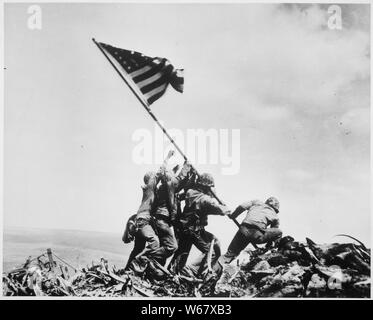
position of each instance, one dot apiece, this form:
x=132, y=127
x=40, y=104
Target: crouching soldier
x=199, y=203
x=261, y=225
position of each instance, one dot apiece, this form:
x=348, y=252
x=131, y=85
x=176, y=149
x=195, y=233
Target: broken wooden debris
x=292, y=269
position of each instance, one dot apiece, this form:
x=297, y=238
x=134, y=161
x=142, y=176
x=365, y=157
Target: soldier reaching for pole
x=154, y=235
x=165, y=209
x=261, y=225
x=199, y=203
x=147, y=243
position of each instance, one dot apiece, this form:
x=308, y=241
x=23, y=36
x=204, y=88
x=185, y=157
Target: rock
x=260, y=270
x=352, y=260
x=293, y=275
x=345, y=255
x=363, y=285
x=316, y=287
x=244, y=258
x=261, y=266
x=285, y=243
x=291, y=291
x=247, y=266
x=277, y=259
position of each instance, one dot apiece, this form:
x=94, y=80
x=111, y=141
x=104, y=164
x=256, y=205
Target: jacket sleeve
x=212, y=206
x=179, y=180
x=171, y=195
x=174, y=185
x=243, y=207
x=151, y=188
x=152, y=184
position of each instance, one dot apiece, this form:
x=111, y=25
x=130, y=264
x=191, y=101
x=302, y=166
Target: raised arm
x=178, y=182
x=213, y=207
x=243, y=207
x=173, y=183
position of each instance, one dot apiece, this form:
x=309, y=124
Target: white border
x=2, y=119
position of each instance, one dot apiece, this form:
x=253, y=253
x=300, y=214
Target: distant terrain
x=78, y=248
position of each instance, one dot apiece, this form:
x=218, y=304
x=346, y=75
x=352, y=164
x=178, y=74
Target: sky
x=298, y=91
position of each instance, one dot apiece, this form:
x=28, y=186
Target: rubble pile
x=291, y=269
x=43, y=276
x=295, y=269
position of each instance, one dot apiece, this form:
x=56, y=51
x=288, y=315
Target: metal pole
x=142, y=101
x=146, y=107
x=50, y=258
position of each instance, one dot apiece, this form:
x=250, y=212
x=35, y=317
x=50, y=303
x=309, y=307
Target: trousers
x=167, y=241
x=245, y=235
x=201, y=239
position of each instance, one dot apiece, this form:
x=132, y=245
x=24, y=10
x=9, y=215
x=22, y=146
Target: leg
x=193, y=268
x=181, y=255
x=216, y=252
x=238, y=243
x=147, y=234
x=202, y=242
x=208, y=236
x=137, y=248
x=168, y=243
x=270, y=234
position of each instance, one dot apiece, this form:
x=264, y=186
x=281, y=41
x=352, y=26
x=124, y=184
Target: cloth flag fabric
x=151, y=75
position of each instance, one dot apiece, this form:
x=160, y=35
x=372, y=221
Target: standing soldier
x=199, y=203
x=145, y=234
x=261, y=225
x=154, y=235
x=165, y=210
x=128, y=236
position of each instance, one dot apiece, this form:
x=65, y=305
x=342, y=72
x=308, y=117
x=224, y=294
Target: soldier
x=166, y=209
x=128, y=236
x=199, y=203
x=145, y=233
x=154, y=237
x=261, y=225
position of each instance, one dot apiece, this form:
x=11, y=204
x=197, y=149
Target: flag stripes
x=151, y=75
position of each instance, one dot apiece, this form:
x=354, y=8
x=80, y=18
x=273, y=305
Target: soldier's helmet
x=206, y=180
x=148, y=176
x=274, y=203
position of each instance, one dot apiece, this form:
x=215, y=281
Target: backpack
x=130, y=230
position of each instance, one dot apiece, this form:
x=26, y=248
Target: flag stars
x=154, y=84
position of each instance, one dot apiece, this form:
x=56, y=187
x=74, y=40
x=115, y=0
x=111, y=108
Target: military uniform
x=261, y=225
x=146, y=239
x=198, y=205
x=165, y=210
x=198, y=266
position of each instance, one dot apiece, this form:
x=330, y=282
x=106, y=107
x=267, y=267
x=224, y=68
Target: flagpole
x=143, y=103
x=146, y=107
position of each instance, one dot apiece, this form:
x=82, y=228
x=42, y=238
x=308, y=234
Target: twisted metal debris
x=292, y=269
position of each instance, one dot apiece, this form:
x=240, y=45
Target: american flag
x=151, y=75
